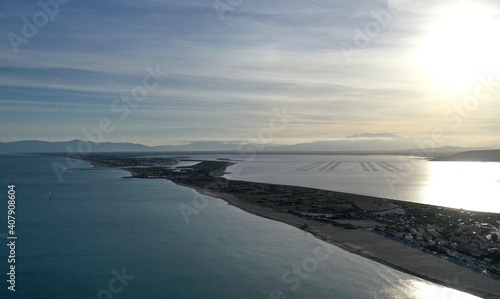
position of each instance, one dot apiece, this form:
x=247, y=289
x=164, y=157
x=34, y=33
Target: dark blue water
x=99, y=235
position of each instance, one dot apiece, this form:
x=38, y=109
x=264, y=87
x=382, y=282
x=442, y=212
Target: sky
x=171, y=72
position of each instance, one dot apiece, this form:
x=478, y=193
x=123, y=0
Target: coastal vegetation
x=465, y=238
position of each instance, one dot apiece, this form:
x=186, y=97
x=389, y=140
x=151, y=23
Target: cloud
x=226, y=75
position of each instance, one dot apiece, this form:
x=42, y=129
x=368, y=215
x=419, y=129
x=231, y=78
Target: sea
x=94, y=233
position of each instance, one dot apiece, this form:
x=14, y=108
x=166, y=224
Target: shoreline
x=359, y=241
x=333, y=235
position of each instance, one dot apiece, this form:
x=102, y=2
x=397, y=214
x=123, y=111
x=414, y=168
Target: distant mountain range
x=36, y=146
x=381, y=143
x=477, y=156
x=375, y=135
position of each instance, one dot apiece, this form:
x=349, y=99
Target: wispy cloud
x=226, y=76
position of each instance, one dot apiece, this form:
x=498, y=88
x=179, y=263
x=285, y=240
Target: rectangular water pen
x=312, y=166
x=385, y=167
x=326, y=166
x=333, y=166
x=372, y=167
x=392, y=166
x=307, y=167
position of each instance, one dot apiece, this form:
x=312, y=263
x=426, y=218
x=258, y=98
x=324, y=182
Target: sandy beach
x=277, y=201
x=380, y=249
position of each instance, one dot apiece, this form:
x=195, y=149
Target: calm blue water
x=95, y=222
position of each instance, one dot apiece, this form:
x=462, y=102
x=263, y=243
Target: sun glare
x=462, y=45
x=427, y=290
x=464, y=185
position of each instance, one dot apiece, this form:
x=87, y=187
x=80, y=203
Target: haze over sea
x=73, y=234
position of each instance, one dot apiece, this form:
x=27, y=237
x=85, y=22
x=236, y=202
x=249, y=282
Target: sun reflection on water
x=467, y=185
x=426, y=290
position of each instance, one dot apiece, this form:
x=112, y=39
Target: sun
x=462, y=45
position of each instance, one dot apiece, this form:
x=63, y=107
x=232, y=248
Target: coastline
x=379, y=249
x=364, y=243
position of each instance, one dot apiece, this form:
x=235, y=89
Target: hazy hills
x=382, y=143
x=479, y=155
x=36, y=146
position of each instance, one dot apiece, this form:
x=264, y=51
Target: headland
x=451, y=247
